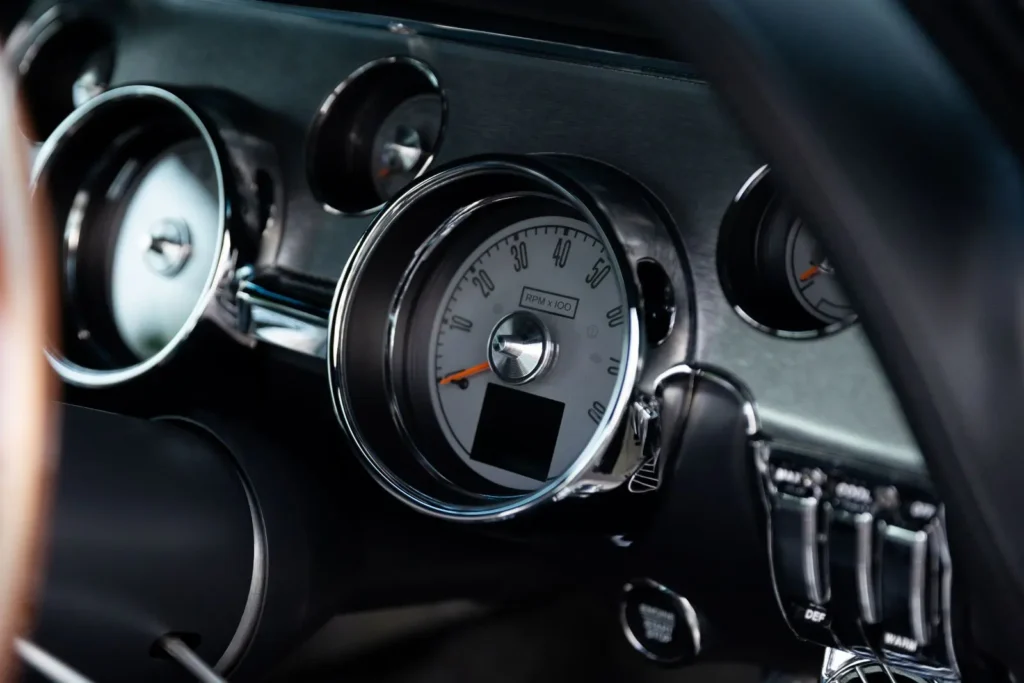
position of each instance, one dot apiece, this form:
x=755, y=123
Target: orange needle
x=384, y=173
x=463, y=374
x=809, y=273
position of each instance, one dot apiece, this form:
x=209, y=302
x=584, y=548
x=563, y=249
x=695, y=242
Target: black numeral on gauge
x=484, y=282
x=461, y=324
x=561, y=254
x=596, y=412
x=615, y=317
x=613, y=368
x=598, y=272
x=519, y=257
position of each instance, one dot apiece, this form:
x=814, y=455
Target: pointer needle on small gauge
x=463, y=374
x=809, y=273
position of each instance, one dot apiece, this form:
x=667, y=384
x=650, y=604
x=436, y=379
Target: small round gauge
x=526, y=345
x=165, y=243
x=374, y=134
x=404, y=142
x=812, y=279
x=773, y=269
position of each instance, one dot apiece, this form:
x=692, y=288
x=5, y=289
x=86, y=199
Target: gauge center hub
x=520, y=348
x=168, y=246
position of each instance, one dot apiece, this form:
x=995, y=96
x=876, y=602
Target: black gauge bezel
x=762, y=297
x=340, y=137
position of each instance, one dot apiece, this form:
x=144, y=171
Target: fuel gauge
x=812, y=279
x=774, y=271
x=405, y=142
x=374, y=134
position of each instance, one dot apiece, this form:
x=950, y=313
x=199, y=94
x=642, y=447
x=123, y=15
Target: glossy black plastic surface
x=707, y=541
x=920, y=199
x=151, y=533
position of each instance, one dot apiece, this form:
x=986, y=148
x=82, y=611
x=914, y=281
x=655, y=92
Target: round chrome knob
x=168, y=246
x=520, y=348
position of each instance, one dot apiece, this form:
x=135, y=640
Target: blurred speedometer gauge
x=514, y=336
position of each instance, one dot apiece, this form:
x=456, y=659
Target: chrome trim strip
x=279, y=320
x=79, y=375
x=253, y=610
x=918, y=600
x=248, y=623
x=840, y=666
x=181, y=653
x=689, y=614
x=865, y=528
x=727, y=381
x=946, y=586
x=313, y=135
x=816, y=592
x=917, y=543
x=46, y=664
x=534, y=46
x=49, y=24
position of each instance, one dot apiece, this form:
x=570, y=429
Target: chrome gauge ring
x=140, y=200
x=494, y=313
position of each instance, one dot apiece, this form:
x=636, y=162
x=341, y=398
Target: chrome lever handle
x=57, y=671
x=177, y=650
x=46, y=664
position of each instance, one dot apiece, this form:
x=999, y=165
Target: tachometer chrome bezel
x=599, y=467
x=81, y=375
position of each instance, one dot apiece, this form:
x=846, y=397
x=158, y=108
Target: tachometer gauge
x=514, y=333
x=530, y=330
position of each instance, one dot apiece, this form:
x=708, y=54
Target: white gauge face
x=526, y=350
x=165, y=248
x=812, y=278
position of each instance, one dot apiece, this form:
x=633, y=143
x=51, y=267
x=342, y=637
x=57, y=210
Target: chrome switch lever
x=53, y=669
x=796, y=548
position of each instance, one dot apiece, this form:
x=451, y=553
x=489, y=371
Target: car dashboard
x=272, y=217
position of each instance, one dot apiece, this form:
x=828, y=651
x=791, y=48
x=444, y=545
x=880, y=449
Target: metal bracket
x=276, y=319
x=646, y=433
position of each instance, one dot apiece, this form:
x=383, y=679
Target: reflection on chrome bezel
x=79, y=375
x=324, y=110
x=573, y=478
x=422, y=255
x=827, y=330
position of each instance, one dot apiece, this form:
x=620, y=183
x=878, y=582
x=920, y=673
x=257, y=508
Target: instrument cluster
x=507, y=317
x=515, y=309
x=506, y=296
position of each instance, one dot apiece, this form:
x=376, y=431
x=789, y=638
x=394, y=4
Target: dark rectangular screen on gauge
x=517, y=431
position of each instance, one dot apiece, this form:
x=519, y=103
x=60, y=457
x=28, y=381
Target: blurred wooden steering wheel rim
x=26, y=385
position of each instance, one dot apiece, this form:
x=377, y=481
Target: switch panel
x=859, y=562
x=796, y=548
